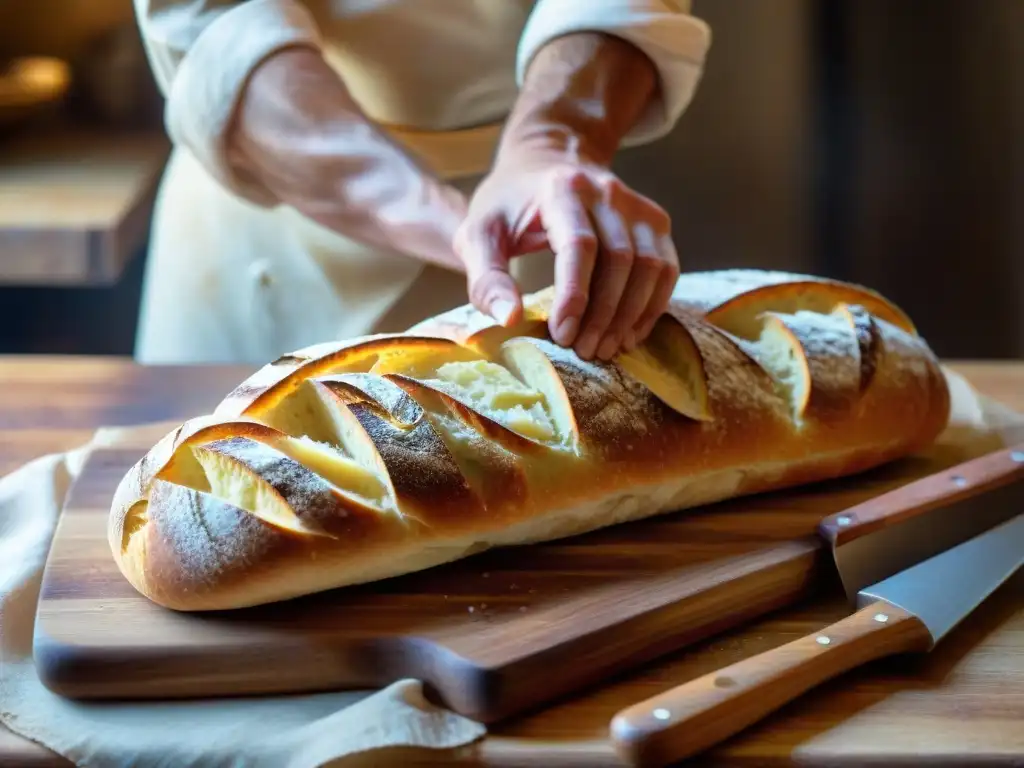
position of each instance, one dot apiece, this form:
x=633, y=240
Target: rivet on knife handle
x=972, y=477
x=910, y=610
x=703, y=712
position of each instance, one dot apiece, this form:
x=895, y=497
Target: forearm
x=299, y=133
x=581, y=95
x=294, y=117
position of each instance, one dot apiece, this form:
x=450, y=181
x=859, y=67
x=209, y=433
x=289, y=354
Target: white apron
x=228, y=281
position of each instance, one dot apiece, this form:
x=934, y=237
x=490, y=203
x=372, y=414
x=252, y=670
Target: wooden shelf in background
x=75, y=206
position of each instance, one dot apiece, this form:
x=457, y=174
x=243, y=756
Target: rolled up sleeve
x=202, y=53
x=674, y=40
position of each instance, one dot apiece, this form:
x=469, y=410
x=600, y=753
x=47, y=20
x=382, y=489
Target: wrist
x=581, y=94
x=547, y=140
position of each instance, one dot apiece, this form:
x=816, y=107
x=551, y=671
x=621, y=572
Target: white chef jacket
x=232, y=275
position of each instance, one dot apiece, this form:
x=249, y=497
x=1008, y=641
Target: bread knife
x=926, y=556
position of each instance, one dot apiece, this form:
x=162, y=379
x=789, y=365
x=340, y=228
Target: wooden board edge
x=775, y=577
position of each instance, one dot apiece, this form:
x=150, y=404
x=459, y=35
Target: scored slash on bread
x=734, y=300
x=866, y=331
x=273, y=383
x=815, y=358
x=670, y=365
x=384, y=429
x=383, y=455
x=488, y=466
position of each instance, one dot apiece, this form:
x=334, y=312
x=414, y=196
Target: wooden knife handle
x=687, y=719
x=967, y=479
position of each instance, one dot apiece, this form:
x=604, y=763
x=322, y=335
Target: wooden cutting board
x=495, y=635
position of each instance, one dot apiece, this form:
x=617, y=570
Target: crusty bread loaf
x=364, y=459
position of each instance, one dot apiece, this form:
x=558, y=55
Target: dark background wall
x=870, y=140
x=937, y=179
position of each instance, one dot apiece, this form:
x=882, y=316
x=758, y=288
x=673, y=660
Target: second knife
x=913, y=576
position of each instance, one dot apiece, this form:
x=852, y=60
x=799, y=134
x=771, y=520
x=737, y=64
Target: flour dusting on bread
x=358, y=460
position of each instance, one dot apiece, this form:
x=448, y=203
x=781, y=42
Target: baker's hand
x=615, y=263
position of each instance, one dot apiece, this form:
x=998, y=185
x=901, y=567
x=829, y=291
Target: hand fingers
x=571, y=237
x=615, y=264
x=609, y=284
x=643, y=280
x=651, y=264
x=662, y=293
x=492, y=290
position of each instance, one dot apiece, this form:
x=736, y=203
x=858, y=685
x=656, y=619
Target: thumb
x=492, y=290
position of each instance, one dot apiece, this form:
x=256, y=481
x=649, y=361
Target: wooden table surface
x=75, y=206
x=52, y=404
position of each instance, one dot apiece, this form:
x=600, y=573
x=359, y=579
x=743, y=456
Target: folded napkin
x=302, y=731
x=335, y=729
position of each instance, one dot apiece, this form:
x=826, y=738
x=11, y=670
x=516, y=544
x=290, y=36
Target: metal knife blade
x=890, y=532
x=941, y=591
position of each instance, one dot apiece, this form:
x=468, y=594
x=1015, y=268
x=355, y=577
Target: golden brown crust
x=494, y=472
x=274, y=382
x=734, y=299
x=355, y=461
x=867, y=339
x=424, y=478
x=196, y=549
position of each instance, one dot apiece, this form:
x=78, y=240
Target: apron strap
x=451, y=154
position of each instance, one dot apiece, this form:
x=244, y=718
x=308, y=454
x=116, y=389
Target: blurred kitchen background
x=871, y=140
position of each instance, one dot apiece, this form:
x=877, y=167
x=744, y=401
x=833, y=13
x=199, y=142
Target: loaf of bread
x=364, y=459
